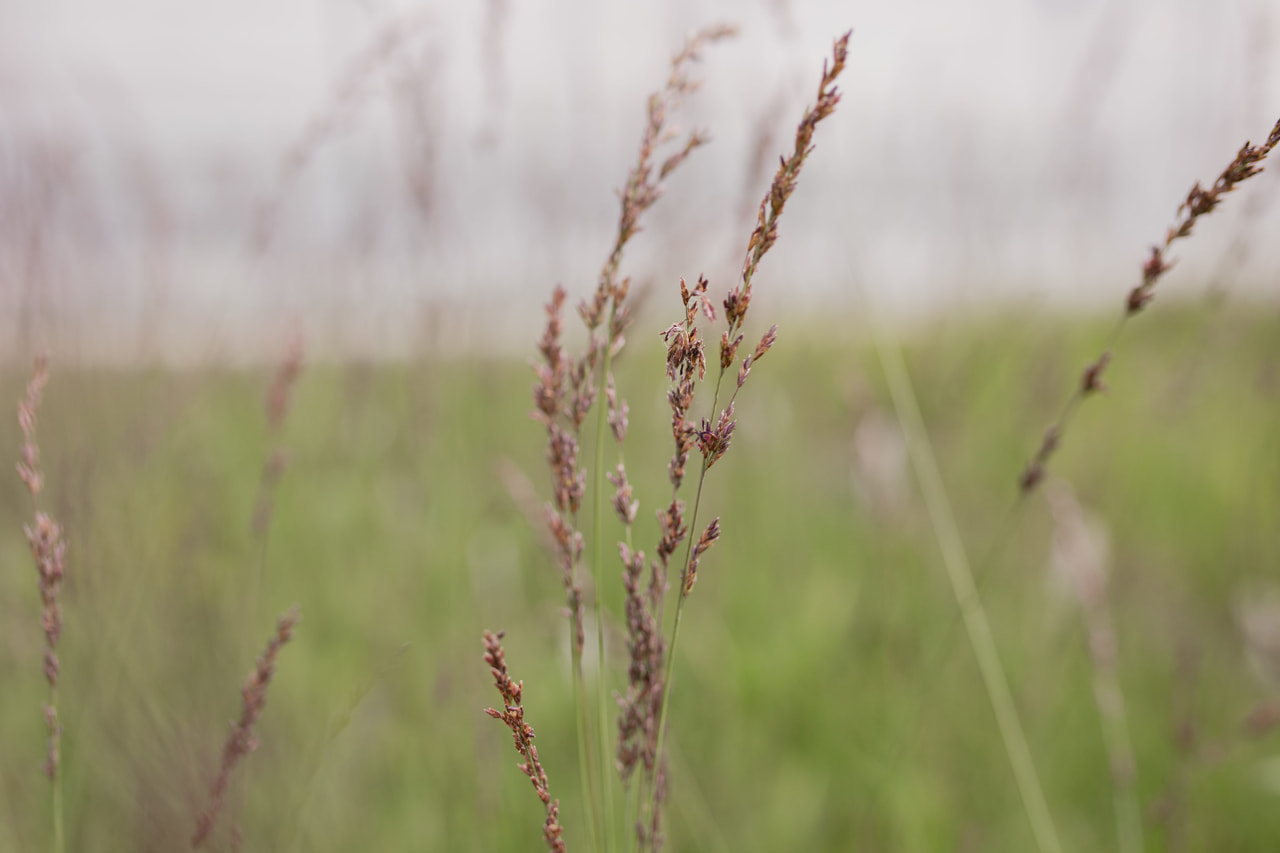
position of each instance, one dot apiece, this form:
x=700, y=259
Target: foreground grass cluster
x=829, y=700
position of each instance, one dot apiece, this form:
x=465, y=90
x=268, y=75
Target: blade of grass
x=597, y=569
x=959, y=574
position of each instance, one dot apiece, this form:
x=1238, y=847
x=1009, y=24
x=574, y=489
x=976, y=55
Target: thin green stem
x=675, y=628
x=589, y=792
x=1115, y=728
x=634, y=797
x=597, y=568
x=58, y=843
x=966, y=593
x=675, y=634
x=692, y=803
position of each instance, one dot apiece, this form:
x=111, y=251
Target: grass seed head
x=242, y=740
x=512, y=714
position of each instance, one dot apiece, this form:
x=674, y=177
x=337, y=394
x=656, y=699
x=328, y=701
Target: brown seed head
x=671, y=523
x=784, y=182
x=1091, y=382
x=618, y=411
x=728, y=349
x=49, y=550
x=623, y=505
x=713, y=441
x=512, y=714
x=708, y=538
x=641, y=705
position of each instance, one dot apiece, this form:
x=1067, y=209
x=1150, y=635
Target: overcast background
x=185, y=181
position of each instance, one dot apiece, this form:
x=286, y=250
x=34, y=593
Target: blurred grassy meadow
x=825, y=696
x=398, y=187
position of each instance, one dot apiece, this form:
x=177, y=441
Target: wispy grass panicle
x=784, y=184
x=644, y=187
x=686, y=366
x=567, y=481
x=242, y=740
x=566, y=390
x=637, y=722
x=1199, y=202
x=49, y=551
x=607, y=315
x=558, y=398
x=512, y=714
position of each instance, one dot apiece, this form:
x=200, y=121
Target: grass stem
x=1115, y=730
x=589, y=792
x=597, y=568
x=675, y=634
x=59, y=844
x=962, y=585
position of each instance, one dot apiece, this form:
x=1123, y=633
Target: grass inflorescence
x=564, y=395
x=1200, y=201
x=49, y=550
x=810, y=664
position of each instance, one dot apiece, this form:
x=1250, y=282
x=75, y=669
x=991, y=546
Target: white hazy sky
x=983, y=149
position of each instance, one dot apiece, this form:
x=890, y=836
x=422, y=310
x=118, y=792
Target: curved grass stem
x=959, y=574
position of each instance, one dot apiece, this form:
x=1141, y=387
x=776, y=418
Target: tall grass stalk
x=48, y=550
x=512, y=715
x=587, y=766
x=966, y=594
x=669, y=671
x=554, y=406
x=589, y=378
x=1199, y=202
x=714, y=434
x=602, y=687
x=59, y=833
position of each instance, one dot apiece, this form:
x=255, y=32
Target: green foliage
x=825, y=699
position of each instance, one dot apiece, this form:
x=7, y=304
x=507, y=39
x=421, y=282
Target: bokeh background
x=191, y=194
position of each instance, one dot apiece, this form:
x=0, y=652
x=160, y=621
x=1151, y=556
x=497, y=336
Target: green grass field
x=825, y=696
